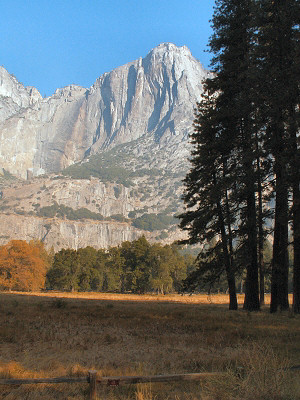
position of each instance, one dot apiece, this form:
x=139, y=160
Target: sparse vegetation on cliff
x=153, y=222
x=62, y=211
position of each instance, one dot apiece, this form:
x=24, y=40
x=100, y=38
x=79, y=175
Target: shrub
x=62, y=211
x=94, y=167
x=162, y=236
x=119, y=217
x=153, y=222
x=117, y=191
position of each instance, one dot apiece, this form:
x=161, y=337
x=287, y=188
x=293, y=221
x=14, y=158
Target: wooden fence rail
x=95, y=380
x=44, y=380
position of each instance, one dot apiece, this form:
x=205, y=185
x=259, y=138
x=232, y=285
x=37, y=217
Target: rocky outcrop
x=14, y=97
x=154, y=96
x=25, y=207
x=66, y=234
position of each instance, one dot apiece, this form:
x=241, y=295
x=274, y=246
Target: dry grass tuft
x=14, y=370
x=260, y=374
x=60, y=334
x=264, y=373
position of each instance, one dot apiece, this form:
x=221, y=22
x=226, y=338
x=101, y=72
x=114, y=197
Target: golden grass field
x=67, y=334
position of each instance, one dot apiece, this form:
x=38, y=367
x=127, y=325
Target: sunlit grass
x=66, y=334
x=186, y=298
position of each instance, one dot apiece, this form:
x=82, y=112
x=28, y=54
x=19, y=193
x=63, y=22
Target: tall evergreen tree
x=296, y=215
x=294, y=128
x=278, y=23
x=235, y=28
x=234, y=89
x=255, y=109
x=210, y=216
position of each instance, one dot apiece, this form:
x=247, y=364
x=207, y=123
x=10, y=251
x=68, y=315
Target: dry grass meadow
x=59, y=334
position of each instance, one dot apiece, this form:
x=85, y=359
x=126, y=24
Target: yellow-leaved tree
x=23, y=265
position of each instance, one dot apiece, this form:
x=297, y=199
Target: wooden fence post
x=93, y=385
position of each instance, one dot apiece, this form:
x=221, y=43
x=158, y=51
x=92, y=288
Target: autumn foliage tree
x=23, y=265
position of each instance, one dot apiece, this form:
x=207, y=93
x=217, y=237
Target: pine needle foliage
x=246, y=149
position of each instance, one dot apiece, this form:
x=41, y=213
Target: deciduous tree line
x=244, y=181
x=136, y=266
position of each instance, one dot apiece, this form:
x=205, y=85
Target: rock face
x=129, y=131
x=66, y=234
x=154, y=96
x=25, y=210
x=14, y=97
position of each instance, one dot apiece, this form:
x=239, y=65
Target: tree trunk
x=296, y=211
x=280, y=62
x=279, y=277
x=230, y=273
x=296, y=229
x=251, y=302
x=233, y=305
x=261, y=267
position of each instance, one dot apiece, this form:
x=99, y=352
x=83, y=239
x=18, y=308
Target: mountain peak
x=171, y=47
x=167, y=49
x=179, y=58
x=151, y=97
x=14, y=95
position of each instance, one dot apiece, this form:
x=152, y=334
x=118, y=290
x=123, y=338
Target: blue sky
x=50, y=43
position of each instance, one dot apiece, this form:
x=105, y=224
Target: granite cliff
x=125, y=138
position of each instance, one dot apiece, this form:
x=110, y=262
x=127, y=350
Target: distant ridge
x=152, y=96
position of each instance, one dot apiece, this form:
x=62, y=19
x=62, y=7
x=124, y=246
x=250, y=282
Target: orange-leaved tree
x=23, y=265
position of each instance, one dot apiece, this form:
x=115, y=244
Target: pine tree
x=209, y=216
x=294, y=128
x=235, y=37
x=279, y=19
x=255, y=109
x=234, y=88
x=65, y=270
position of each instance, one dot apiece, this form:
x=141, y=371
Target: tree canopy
x=136, y=266
x=23, y=265
x=246, y=150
